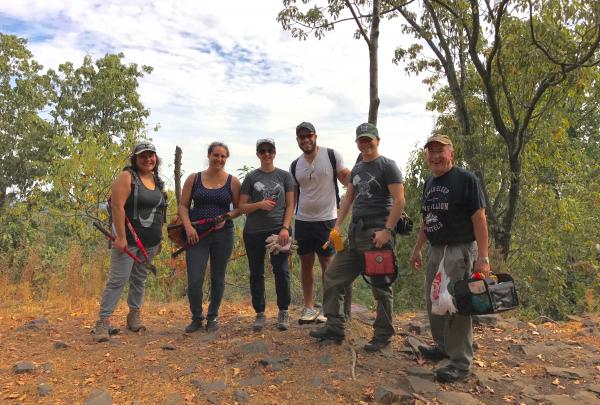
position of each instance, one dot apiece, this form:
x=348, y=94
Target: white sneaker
x=321, y=318
x=309, y=315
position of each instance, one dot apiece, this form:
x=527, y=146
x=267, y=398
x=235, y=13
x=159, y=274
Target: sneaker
x=101, y=330
x=309, y=315
x=195, y=325
x=451, y=374
x=321, y=318
x=283, y=320
x=212, y=325
x=326, y=333
x=134, y=320
x=432, y=353
x=259, y=322
x=376, y=344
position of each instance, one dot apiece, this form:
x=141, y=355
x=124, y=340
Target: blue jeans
x=218, y=246
x=255, y=250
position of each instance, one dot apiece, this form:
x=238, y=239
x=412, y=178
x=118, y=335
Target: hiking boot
x=283, y=320
x=432, y=353
x=309, y=315
x=193, y=326
x=325, y=333
x=134, y=320
x=101, y=330
x=376, y=344
x=451, y=374
x=259, y=322
x=212, y=325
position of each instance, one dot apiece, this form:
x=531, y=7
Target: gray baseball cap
x=262, y=141
x=143, y=146
x=305, y=125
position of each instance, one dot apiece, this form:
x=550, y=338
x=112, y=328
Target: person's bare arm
x=383, y=236
x=121, y=189
x=480, y=229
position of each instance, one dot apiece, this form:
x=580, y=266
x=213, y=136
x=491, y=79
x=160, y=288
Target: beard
x=308, y=147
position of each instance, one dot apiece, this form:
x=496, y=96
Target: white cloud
x=226, y=71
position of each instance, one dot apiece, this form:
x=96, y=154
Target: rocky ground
x=49, y=356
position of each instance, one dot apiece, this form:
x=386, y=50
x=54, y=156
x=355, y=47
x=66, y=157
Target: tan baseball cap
x=440, y=138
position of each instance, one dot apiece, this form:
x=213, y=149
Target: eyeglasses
x=263, y=151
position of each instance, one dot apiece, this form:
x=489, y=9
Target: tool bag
x=486, y=296
x=380, y=269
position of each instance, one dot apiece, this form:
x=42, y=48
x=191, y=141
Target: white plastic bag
x=442, y=301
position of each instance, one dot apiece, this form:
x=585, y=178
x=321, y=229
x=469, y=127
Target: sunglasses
x=305, y=136
x=263, y=151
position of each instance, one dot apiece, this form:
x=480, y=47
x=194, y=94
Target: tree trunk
x=374, y=64
x=177, y=173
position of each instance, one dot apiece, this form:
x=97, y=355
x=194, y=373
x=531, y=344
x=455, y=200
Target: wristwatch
x=484, y=259
x=286, y=228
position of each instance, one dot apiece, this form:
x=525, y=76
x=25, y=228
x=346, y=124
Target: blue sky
x=226, y=71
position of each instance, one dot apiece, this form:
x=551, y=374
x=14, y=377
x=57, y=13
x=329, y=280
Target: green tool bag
x=486, y=296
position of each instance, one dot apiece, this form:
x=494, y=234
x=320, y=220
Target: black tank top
x=144, y=208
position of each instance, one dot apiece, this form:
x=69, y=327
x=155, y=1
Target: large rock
x=421, y=385
x=241, y=396
x=22, y=367
x=44, y=389
x=572, y=373
x=255, y=347
x=252, y=381
x=387, y=395
x=98, y=397
x=462, y=398
x=560, y=400
x=586, y=397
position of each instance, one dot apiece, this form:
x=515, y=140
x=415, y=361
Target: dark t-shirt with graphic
x=260, y=186
x=448, y=203
x=372, y=199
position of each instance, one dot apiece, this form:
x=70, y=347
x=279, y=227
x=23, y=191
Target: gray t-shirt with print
x=372, y=199
x=260, y=186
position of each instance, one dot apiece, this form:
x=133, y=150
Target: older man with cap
x=454, y=223
x=376, y=197
x=316, y=173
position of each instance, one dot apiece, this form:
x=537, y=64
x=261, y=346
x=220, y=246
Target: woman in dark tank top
x=208, y=194
x=136, y=195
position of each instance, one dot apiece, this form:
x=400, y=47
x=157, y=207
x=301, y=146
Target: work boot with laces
x=283, y=320
x=134, y=320
x=259, y=322
x=101, y=330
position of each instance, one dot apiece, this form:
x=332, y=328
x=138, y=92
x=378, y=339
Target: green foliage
x=24, y=136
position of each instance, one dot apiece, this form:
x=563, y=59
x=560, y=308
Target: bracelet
x=390, y=230
x=286, y=228
x=484, y=259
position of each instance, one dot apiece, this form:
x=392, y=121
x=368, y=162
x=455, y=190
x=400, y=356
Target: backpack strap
x=333, y=162
x=135, y=182
x=293, y=173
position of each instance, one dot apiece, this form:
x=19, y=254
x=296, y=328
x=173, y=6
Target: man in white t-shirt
x=316, y=173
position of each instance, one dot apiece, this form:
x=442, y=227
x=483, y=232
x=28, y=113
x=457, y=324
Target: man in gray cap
x=376, y=197
x=454, y=223
x=316, y=173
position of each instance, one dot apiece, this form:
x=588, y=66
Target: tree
x=319, y=19
x=24, y=136
x=519, y=68
x=99, y=97
x=98, y=116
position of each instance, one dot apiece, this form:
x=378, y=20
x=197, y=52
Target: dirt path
x=49, y=357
